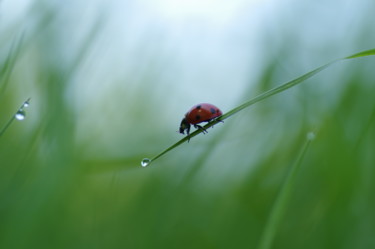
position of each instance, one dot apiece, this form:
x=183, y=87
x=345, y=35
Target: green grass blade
x=361, y=54
x=170, y=148
x=263, y=96
x=280, y=205
x=274, y=91
x=7, y=68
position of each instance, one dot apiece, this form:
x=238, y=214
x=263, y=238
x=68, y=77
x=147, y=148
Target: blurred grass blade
x=263, y=96
x=362, y=54
x=9, y=63
x=280, y=205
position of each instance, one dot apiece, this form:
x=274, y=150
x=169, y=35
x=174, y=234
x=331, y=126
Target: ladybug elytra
x=203, y=112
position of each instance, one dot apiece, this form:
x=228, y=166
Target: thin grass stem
x=9, y=64
x=280, y=205
x=260, y=97
x=19, y=111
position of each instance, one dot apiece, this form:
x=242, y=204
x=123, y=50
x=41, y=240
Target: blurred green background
x=109, y=83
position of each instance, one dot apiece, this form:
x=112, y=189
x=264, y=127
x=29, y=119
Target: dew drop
x=145, y=162
x=310, y=136
x=26, y=104
x=20, y=114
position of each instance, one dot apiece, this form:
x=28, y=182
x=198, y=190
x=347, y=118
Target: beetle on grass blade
x=203, y=112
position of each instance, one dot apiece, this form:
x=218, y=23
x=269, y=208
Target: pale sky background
x=227, y=37
x=195, y=50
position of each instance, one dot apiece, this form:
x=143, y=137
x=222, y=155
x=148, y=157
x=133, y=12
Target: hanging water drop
x=145, y=162
x=310, y=136
x=20, y=114
x=26, y=104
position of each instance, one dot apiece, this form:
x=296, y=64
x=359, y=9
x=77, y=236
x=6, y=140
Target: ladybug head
x=184, y=126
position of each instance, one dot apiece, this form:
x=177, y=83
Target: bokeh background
x=109, y=83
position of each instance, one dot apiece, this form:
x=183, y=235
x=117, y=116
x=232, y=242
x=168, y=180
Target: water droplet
x=310, y=136
x=20, y=114
x=26, y=104
x=145, y=162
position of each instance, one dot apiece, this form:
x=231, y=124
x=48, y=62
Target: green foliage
x=71, y=180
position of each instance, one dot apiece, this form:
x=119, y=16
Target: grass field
x=71, y=175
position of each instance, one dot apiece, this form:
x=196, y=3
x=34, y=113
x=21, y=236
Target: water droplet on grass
x=145, y=162
x=20, y=114
x=310, y=136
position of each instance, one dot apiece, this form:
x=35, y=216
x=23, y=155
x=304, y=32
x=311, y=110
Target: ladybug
x=203, y=112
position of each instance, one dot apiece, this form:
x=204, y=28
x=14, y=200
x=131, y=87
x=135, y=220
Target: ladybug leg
x=218, y=120
x=200, y=128
x=188, y=132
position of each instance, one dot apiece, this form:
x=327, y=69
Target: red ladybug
x=197, y=114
